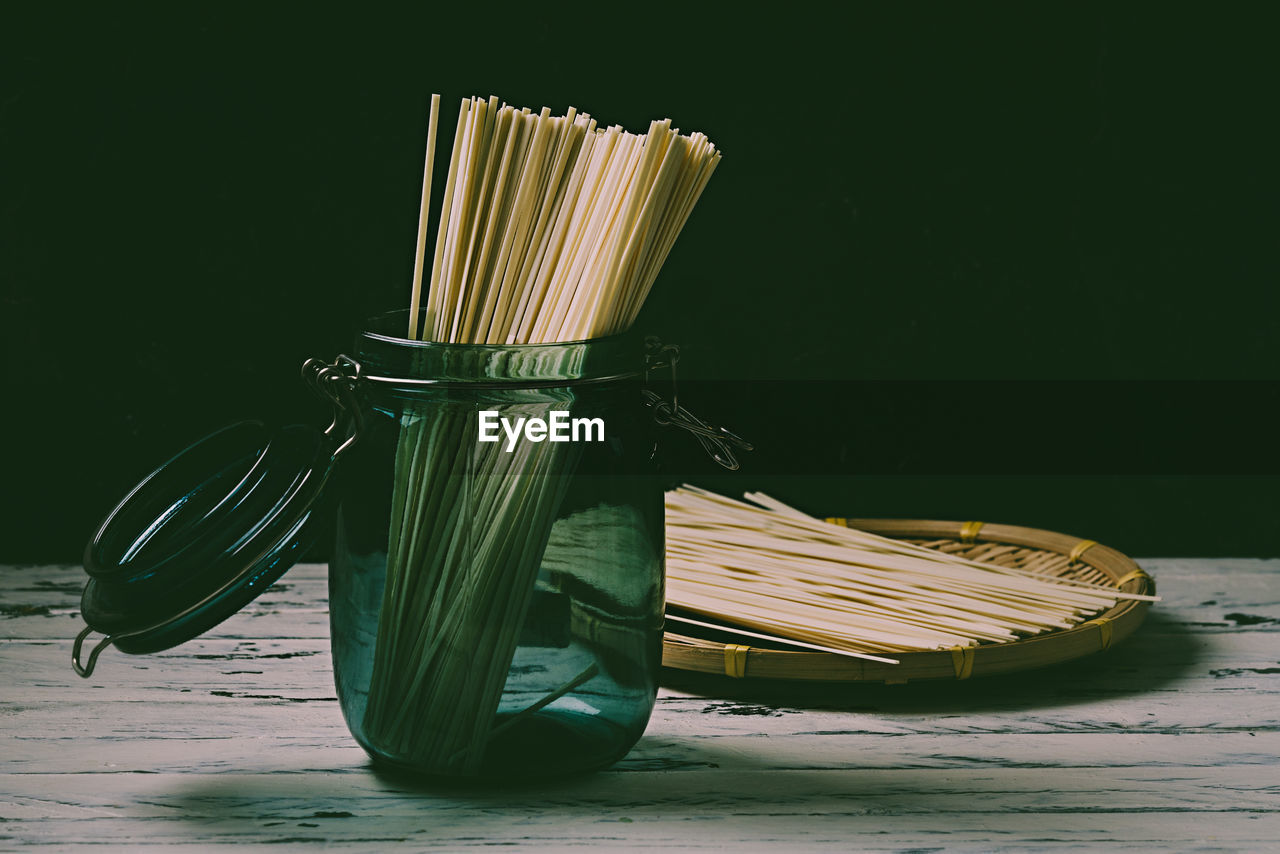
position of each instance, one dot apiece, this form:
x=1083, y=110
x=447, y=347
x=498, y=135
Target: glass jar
x=496, y=577
x=496, y=606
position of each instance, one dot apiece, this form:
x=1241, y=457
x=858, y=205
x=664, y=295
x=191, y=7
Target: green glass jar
x=496, y=582
x=496, y=576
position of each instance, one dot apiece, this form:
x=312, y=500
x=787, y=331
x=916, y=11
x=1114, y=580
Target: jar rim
x=391, y=359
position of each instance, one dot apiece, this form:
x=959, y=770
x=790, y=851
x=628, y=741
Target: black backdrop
x=952, y=264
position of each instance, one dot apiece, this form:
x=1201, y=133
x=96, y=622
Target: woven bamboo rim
x=1054, y=554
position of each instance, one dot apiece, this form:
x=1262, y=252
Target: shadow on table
x=1159, y=653
x=738, y=796
x=371, y=804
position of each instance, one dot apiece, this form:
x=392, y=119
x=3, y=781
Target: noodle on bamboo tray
x=756, y=588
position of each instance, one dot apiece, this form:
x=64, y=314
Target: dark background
x=994, y=262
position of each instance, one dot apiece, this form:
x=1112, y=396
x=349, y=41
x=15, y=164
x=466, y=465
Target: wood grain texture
x=1168, y=741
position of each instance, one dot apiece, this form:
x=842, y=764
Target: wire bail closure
x=85, y=670
x=718, y=442
x=336, y=382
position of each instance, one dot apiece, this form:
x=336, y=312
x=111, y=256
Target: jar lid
x=203, y=535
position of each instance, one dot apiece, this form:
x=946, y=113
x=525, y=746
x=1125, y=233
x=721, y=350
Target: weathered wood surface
x=1169, y=742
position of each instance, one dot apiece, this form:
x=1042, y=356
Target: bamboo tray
x=1054, y=554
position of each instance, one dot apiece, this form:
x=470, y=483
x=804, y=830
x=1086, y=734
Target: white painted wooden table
x=1169, y=741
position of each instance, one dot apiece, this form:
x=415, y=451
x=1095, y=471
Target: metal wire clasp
x=718, y=442
x=336, y=382
x=85, y=670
